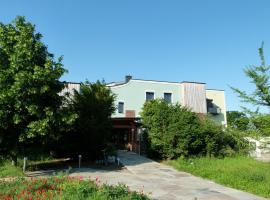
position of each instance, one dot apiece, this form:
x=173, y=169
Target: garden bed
x=65, y=188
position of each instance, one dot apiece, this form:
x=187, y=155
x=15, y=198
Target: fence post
x=80, y=158
x=24, y=164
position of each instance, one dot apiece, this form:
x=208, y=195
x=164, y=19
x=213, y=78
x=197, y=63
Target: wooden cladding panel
x=194, y=97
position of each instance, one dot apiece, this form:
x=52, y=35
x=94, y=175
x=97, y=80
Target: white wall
x=218, y=97
x=133, y=94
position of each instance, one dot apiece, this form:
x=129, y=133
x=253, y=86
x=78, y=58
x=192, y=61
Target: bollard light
x=80, y=159
x=24, y=164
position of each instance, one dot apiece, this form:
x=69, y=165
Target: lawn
x=65, y=188
x=8, y=170
x=241, y=173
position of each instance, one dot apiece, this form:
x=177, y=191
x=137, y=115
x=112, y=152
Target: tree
x=94, y=105
x=173, y=131
x=30, y=104
x=156, y=118
x=238, y=120
x=259, y=76
x=261, y=124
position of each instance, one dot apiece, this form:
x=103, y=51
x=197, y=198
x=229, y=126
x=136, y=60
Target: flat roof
x=216, y=89
x=111, y=84
x=193, y=82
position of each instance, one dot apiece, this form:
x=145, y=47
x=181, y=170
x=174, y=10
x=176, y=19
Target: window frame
x=167, y=92
x=150, y=91
x=123, y=107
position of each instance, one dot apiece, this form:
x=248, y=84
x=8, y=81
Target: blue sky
x=207, y=41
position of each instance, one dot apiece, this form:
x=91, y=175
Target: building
x=131, y=94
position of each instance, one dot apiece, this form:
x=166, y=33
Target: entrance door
x=122, y=138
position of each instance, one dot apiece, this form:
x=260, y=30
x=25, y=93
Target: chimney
x=128, y=78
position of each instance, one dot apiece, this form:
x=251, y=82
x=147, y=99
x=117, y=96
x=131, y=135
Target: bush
x=174, y=131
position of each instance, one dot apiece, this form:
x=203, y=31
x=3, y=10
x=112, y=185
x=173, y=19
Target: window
x=209, y=103
x=150, y=96
x=168, y=97
x=120, y=107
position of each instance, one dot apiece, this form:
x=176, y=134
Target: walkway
x=163, y=182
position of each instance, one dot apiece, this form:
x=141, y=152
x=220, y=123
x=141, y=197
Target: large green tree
x=30, y=104
x=259, y=77
x=94, y=105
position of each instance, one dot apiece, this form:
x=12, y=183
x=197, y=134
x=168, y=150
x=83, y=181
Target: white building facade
x=132, y=93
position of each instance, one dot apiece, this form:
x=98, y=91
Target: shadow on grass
x=44, y=168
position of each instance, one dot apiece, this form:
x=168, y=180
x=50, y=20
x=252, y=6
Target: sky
x=209, y=41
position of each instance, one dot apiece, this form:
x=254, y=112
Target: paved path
x=163, y=182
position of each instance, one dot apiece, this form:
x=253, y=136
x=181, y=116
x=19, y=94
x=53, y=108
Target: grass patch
x=66, y=188
x=242, y=173
x=8, y=170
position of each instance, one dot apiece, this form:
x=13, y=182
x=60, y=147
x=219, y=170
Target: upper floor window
x=120, y=107
x=150, y=96
x=212, y=107
x=209, y=103
x=168, y=97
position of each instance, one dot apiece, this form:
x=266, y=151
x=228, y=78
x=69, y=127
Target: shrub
x=174, y=131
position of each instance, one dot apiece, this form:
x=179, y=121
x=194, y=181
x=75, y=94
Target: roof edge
x=216, y=90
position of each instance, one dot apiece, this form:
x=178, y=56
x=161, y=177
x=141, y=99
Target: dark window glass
x=209, y=103
x=120, y=107
x=168, y=97
x=150, y=96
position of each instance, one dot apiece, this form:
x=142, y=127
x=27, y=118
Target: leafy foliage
x=262, y=124
x=94, y=105
x=238, y=120
x=255, y=125
x=259, y=76
x=173, y=131
x=30, y=104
